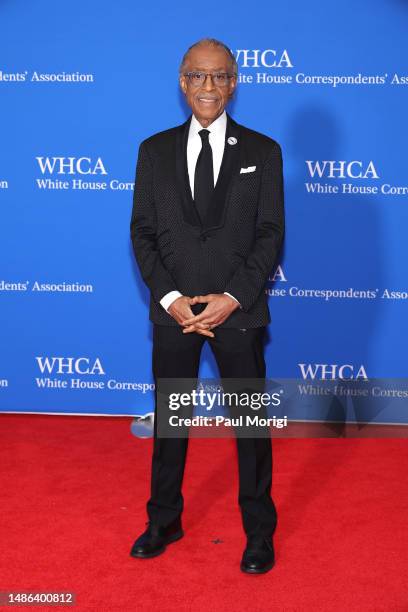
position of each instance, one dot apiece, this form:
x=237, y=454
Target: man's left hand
x=219, y=307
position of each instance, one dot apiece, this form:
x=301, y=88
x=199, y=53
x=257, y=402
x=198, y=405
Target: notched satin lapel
x=190, y=213
x=218, y=207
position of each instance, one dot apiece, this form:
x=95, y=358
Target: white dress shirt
x=216, y=139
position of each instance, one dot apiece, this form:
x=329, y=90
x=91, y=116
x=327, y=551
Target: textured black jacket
x=236, y=246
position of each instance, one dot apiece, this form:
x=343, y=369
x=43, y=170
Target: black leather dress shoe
x=154, y=540
x=259, y=555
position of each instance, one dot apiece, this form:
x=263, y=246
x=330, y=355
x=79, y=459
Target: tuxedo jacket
x=234, y=247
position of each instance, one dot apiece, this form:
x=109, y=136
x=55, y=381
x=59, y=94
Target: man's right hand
x=180, y=310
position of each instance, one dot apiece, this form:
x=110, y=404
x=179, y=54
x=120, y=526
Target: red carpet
x=73, y=492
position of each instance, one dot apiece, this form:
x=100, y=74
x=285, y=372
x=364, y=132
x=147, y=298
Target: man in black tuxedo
x=206, y=228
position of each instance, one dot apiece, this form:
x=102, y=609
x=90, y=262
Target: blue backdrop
x=82, y=83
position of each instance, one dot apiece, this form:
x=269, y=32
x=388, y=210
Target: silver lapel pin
x=232, y=140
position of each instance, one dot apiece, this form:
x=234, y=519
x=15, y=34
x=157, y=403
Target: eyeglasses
x=220, y=79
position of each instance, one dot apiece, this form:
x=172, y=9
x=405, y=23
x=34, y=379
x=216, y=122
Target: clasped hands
x=219, y=308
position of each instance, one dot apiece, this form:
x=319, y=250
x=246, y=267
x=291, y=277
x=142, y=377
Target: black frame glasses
x=197, y=78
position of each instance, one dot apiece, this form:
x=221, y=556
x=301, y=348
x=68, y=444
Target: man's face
x=207, y=101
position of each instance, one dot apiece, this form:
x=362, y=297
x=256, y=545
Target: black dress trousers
x=239, y=354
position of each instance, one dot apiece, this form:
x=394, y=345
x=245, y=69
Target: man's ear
x=183, y=84
x=232, y=91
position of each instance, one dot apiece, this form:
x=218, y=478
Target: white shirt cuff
x=169, y=298
x=231, y=296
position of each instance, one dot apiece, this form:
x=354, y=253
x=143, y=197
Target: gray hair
x=216, y=43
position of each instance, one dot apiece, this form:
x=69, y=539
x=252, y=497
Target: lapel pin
x=232, y=140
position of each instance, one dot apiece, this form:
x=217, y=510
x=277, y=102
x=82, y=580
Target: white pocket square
x=249, y=169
